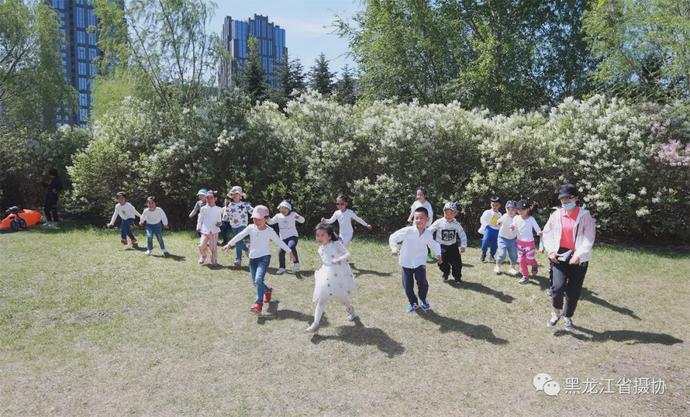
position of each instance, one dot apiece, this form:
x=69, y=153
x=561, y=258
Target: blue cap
x=450, y=206
x=202, y=191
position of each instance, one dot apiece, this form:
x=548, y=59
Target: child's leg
x=512, y=251
x=485, y=241
x=149, y=236
x=531, y=254
x=130, y=233
x=522, y=257
x=203, y=244
x=241, y=245
x=444, y=266
x=493, y=241
x=454, y=262
x=213, y=244
x=224, y=232
x=124, y=228
x=408, y=284
x=281, y=257
x=346, y=238
x=318, y=312
x=292, y=243
x=159, y=235
x=261, y=265
x=502, y=248
x=422, y=283
x=459, y=266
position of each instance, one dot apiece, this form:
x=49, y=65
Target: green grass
x=88, y=327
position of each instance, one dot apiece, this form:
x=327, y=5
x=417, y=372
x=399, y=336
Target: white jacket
x=584, y=233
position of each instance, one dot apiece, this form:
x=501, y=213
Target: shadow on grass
x=483, y=289
x=474, y=331
x=357, y=272
x=135, y=248
x=273, y=313
x=171, y=256
x=360, y=335
x=632, y=337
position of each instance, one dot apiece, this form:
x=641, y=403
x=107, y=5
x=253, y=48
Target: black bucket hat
x=567, y=191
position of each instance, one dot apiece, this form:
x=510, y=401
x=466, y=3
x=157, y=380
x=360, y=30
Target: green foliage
x=252, y=78
x=320, y=76
x=345, y=87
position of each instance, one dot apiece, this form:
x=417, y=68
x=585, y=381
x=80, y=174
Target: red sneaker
x=267, y=295
x=256, y=308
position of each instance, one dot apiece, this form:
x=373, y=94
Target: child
x=413, y=253
x=237, y=213
x=453, y=240
x=525, y=225
x=489, y=228
x=334, y=279
x=201, y=201
x=208, y=225
x=507, y=238
x=128, y=214
x=344, y=216
x=288, y=233
x=260, y=236
x=53, y=188
x=421, y=201
x=155, y=219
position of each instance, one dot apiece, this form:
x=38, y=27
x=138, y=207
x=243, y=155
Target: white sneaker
x=554, y=319
x=313, y=328
x=351, y=316
x=523, y=280
x=280, y=271
x=497, y=270
x=512, y=271
x=165, y=252
x=568, y=324
x=148, y=252
x=296, y=267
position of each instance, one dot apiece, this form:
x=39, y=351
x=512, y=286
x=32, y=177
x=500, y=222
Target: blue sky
x=306, y=23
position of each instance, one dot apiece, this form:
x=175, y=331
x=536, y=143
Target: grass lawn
x=91, y=328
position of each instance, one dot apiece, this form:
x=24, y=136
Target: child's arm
x=165, y=218
x=241, y=235
x=332, y=219
x=142, y=218
x=394, y=239
x=299, y=218
x=273, y=220
x=282, y=245
x=435, y=247
x=194, y=210
x=463, y=238
x=360, y=220
x=536, y=227
x=342, y=251
x=200, y=220
x=112, y=219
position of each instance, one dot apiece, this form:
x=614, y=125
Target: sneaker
x=267, y=295
x=123, y=241
x=568, y=324
x=148, y=252
x=351, y=316
x=512, y=271
x=445, y=277
x=135, y=243
x=165, y=252
x=523, y=280
x=497, y=270
x=296, y=267
x=412, y=307
x=458, y=281
x=256, y=308
x=280, y=271
x=313, y=328
x=549, y=292
x=237, y=263
x=482, y=258
x=535, y=269
x=202, y=259
x=425, y=305
x=554, y=319
x=492, y=259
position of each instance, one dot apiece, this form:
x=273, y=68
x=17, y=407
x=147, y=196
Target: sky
x=307, y=25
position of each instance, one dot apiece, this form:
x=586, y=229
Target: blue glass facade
x=272, y=49
x=78, y=25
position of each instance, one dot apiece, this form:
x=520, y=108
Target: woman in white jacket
x=568, y=238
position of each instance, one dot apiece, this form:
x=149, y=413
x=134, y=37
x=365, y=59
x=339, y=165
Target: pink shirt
x=567, y=228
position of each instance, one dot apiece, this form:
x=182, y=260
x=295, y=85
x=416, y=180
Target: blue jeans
x=490, y=239
x=157, y=230
x=509, y=245
x=126, y=229
x=257, y=269
x=241, y=245
x=292, y=243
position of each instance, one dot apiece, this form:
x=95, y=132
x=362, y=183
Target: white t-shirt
x=427, y=206
x=525, y=228
x=154, y=217
x=505, y=231
x=287, y=224
x=489, y=219
x=125, y=211
x=208, y=219
x=259, y=241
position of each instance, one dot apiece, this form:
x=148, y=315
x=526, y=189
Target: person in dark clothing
x=53, y=189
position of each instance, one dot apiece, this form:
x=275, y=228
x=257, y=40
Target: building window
x=83, y=100
x=82, y=69
x=81, y=52
x=92, y=38
x=81, y=36
x=81, y=22
x=83, y=115
x=83, y=84
x=93, y=53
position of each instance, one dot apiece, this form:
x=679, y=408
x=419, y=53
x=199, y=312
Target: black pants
x=409, y=275
x=567, y=279
x=292, y=243
x=451, y=260
x=50, y=209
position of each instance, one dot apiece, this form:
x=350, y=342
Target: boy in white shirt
x=128, y=214
x=489, y=228
x=415, y=240
x=453, y=240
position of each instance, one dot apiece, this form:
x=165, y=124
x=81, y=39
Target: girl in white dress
x=334, y=279
x=344, y=217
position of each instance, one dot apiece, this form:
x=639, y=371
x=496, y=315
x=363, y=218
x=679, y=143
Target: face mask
x=569, y=206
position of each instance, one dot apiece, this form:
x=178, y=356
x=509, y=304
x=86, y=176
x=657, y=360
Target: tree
x=252, y=79
x=644, y=48
x=291, y=77
x=32, y=82
x=345, y=87
x=320, y=77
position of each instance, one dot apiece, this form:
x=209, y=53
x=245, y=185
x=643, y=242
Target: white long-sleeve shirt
x=525, y=228
x=449, y=233
x=344, y=219
x=489, y=219
x=125, y=211
x=413, y=251
x=259, y=241
x=154, y=216
x=287, y=224
x=208, y=220
x=506, y=231
x=427, y=206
